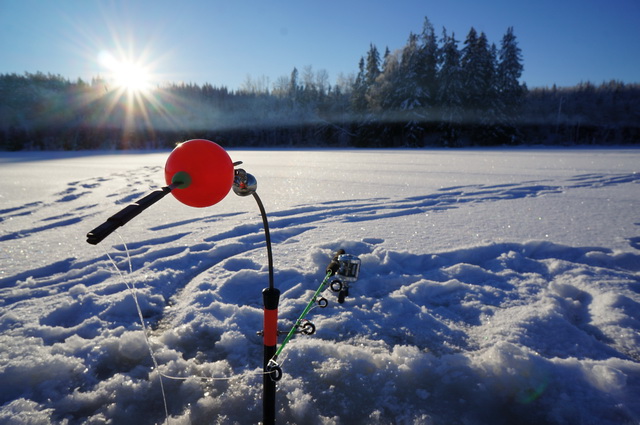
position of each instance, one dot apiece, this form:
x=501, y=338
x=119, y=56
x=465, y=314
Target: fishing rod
x=121, y=218
x=199, y=173
x=340, y=273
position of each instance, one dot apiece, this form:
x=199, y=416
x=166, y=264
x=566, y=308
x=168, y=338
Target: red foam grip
x=270, y=327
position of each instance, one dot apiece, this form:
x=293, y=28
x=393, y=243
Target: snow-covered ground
x=497, y=287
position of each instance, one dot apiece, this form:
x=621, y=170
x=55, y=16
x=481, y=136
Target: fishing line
x=134, y=295
x=343, y=268
x=133, y=291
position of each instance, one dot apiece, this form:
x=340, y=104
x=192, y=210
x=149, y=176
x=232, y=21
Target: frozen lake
x=498, y=286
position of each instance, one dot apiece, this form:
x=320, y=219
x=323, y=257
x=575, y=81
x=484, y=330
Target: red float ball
x=203, y=170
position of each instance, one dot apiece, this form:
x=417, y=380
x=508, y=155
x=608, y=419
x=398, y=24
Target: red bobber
x=201, y=171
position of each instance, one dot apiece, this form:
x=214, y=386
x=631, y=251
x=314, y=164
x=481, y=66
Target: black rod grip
x=121, y=218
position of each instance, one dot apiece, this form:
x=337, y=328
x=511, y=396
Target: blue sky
x=221, y=42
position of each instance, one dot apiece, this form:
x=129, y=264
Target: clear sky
x=222, y=41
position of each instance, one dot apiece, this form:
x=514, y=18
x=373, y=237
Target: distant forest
x=435, y=91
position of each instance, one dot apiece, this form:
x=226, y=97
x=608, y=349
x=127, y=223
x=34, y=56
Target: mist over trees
x=437, y=90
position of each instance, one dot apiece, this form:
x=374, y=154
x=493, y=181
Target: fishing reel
x=345, y=269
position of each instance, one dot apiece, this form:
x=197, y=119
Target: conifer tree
x=359, y=90
x=450, y=89
x=491, y=121
x=508, y=85
x=372, y=71
x=382, y=96
x=372, y=65
x=293, y=86
x=410, y=91
x=385, y=59
x=478, y=72
x=429, y=69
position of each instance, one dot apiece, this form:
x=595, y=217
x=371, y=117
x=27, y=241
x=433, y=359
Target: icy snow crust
x=497, y=287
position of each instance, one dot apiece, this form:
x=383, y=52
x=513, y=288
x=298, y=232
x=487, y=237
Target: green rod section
x=304, y=314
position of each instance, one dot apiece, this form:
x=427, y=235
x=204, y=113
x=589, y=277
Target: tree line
x=434, y=91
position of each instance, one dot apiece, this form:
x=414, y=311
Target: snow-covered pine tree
x=508, y=85
x=469, y=63
x=382, y=102
x=293, y=89
x=372, y=71
x=410, y=92
x=309, y=94
x=429, y=70
x=450, y=89
x=382, y=95
x=359, y=91
x=492, y=133
x=478, y=70
x=363, y=99
x=372, y=65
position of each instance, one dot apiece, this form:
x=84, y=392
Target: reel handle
x=334, y=265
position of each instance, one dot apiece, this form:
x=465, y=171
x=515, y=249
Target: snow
x=497, y=287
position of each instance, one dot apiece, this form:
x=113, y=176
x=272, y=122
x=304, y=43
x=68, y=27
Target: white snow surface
x=497, y=286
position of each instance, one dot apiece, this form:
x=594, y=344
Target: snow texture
x=496, y=287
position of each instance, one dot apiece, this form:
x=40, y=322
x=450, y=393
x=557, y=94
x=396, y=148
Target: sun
x=126, y=74
x=132, y=91
x=132, y=77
